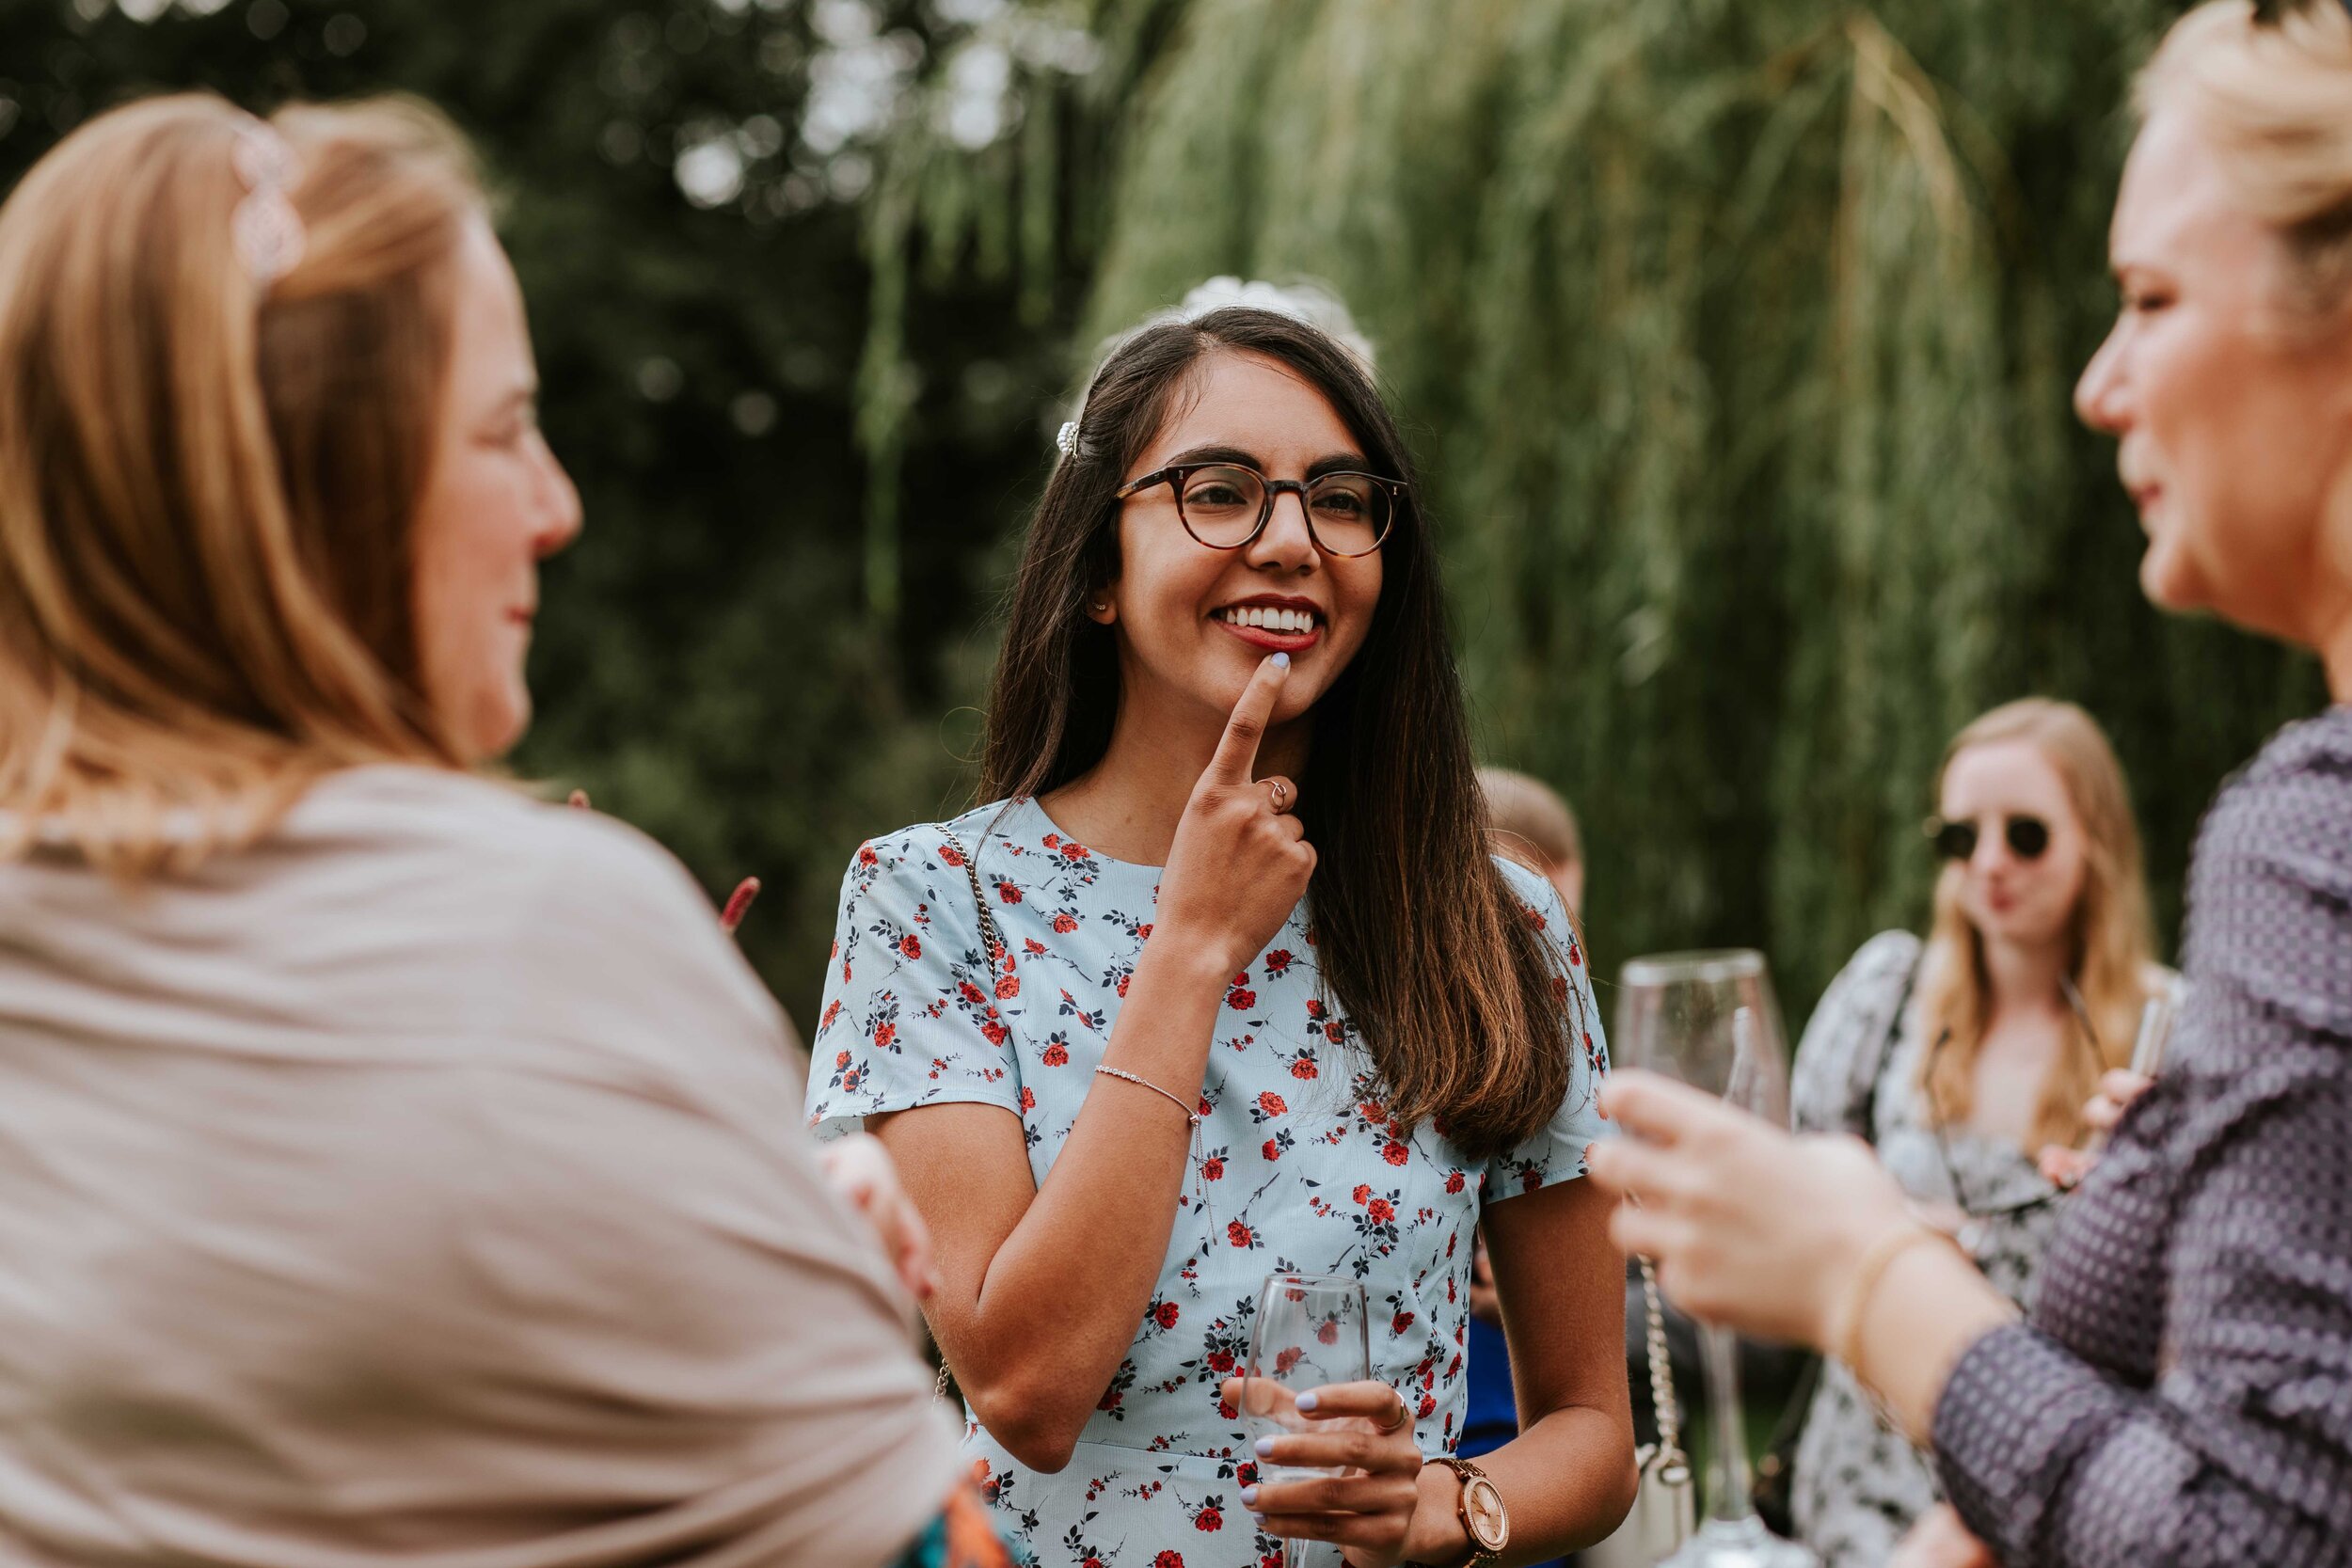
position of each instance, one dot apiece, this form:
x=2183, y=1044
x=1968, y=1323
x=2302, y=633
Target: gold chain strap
x=988, y=960
x=1674, y=1465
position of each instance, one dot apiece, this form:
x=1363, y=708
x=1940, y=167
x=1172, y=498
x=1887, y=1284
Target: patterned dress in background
x=1300, y=1166
x=1859, y=1484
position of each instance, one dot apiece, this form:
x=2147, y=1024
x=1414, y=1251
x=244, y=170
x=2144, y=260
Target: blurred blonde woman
x=2180, y=1389
x=392, y=1170
x=1960, y=1057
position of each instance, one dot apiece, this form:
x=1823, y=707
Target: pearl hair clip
x=268, y=232
x=1066, y=438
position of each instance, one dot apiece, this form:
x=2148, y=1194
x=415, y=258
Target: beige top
x=426, y=1186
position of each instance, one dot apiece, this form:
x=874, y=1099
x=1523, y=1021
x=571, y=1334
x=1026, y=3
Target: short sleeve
x=909, y=1016
x=1847, y=1040
x=1556, y=1152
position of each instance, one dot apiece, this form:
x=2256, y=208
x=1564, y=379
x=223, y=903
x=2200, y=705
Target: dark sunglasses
x=2029, y=837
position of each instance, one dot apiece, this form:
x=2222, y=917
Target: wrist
x=1187, y=958
x=1435, y=1538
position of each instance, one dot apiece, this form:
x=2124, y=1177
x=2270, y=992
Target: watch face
x=1486, y=1518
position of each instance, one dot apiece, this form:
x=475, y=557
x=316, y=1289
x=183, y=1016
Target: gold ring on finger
x=1404, y=1414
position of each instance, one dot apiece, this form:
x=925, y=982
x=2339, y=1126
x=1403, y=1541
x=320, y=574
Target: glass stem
x=1728, y=1485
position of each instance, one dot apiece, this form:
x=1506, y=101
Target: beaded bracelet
x=1192, y=1118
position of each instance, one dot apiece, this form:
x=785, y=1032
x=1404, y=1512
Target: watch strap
x=1467, y=1472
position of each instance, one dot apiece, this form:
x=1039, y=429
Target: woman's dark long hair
x=1459, y=999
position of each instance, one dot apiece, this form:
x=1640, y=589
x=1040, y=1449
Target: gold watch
x=1484, y=1520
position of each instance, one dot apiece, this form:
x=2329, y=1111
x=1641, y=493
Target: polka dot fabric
x=2182, y=1393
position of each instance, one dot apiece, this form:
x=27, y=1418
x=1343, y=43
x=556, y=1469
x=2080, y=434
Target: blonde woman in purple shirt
x=2181, y=1391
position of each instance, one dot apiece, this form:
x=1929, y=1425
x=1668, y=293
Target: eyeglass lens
x=1348, y=514
x=2028, y=837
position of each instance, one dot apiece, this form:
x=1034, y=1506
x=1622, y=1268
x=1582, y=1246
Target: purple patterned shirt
x=2182, y=1393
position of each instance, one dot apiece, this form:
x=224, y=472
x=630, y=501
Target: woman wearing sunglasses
x=1225, y=982
x=1959, y=1057
x=2181, y=1389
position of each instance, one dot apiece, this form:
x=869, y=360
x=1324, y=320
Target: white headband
x=268, y=232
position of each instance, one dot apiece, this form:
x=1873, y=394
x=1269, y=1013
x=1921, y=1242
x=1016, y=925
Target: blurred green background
x=1737, y=339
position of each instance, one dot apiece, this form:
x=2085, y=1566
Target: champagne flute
x=1709, y=1021
x=1311, y=1329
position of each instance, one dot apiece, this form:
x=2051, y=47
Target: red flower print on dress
x=1399, y=1324
x=1428, y=1407
x=951, y=855
x=1033, y=947
x=1240, y=1235
x=1272, y=1103
x=1208, y=1519
x=1009, y=988
x=1328, y=1332
x=1381, y=1210
x=1074, y=850
x=910, y=947
x=1278, y=960
x=1028, y=1098
x=1213, y=1169
x=1454, y=1182
x=1396, y=1153
x=884, y=1033
x=1065, y=923
x=1165, y=1314
x=998, y=1034
x=1169, y=1559
x=1055, y=1053
x=865, y=855
x=971, y=993
x=1287, y=1357
x=1534, y=916
x=841, y=1059
x=1221, y=1361
x=1361, y=1193
x=1314, y=1006
x=832, y=1010
x=849, y=1080
x=1241, y=1001
x=1007, y=892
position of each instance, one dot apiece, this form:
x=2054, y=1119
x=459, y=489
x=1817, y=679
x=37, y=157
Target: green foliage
x=1738, y=340
x=702, y=666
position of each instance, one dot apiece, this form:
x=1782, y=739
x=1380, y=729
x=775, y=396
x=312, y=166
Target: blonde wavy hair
x=2113, y=941
x=207, y=482
x=2273, y=97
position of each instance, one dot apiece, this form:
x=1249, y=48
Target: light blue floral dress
x=1299, y=1167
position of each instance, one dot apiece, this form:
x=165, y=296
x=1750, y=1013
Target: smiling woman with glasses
x=1960, y=1057
x=1224, y=980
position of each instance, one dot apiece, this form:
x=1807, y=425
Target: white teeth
x=1289, y=621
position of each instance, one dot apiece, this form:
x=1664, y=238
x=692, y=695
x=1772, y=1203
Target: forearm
x=1093, y=1239
x=1913, y=1326
x=1566, y=1479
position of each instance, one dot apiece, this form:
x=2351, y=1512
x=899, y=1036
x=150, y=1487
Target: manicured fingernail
x=1305, y=1402
x=1264, y=1446
x=1282, y=662
x=1249, y=1497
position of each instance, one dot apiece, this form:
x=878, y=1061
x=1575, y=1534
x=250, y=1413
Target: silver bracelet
x=1192, y=1117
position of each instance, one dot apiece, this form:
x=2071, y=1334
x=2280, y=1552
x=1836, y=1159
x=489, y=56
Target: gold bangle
x=1845, y=1339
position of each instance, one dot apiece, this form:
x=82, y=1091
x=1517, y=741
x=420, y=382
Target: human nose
x=2100, y=400
x=559, y=512
x=1286, y=542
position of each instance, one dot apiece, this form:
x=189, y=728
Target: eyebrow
x=1338, y=462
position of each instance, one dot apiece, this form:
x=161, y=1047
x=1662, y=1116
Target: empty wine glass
x=1311, y=1329
x=1709, y=1021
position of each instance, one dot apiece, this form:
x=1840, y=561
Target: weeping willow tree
x=1736, y=341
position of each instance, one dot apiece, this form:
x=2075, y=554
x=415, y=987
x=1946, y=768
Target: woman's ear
x=1101, y=608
